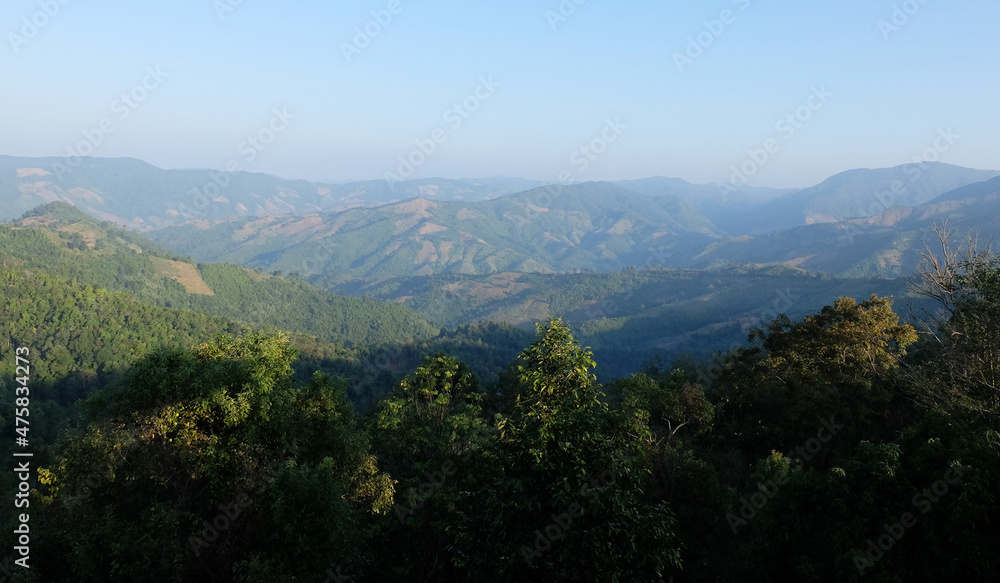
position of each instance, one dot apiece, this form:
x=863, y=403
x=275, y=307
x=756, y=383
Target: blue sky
x=224, y=73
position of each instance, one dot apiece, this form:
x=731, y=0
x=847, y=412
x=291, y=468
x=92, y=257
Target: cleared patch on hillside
x=22, y=172
x=445, y=249
x=88, y=235
x=251, y=228
x=85, y=194
x=429, y=228
x=34, y=221
x=89, y=238
x=467, y=238
x=526, y=312
x=621, y=227
x=427, y=253
x=184, y=274
x=418, y=206
x=498, y=286
x=797, y=262
x=40, y=189
x=295, y=227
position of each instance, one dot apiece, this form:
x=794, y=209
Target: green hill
x=632, y=315
x=65, y=242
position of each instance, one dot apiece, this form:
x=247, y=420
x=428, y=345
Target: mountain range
x=141, y=196
x=683, y=266
x=627, y=316
x=859, y=223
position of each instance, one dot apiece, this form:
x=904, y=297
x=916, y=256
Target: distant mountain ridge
x=888, y=244
x=141, y=196
x=859, y=222
x=596, y=225
x=860, y=193
x=719, y=203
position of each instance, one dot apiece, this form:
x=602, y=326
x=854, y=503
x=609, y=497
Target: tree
x=429, y=434
x=211, y=465
x=565, y=498
x=836, y=364
x=964, y=282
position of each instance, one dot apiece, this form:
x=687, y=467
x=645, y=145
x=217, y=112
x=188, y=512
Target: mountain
x=90, y=298
x=631, y=315
x=889, y=243
x=978, y=190
x=725, y=206
x=376, y=192
x=141, y=196
x=595, y=225
x=62, y=241
x=859, y=194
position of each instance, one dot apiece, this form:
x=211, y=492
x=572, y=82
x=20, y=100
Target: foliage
x=210, y=450
x=964, y=282
x=211, y=464
x=836, y=364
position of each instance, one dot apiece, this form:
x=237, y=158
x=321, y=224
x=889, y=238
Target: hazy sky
x=689, y=87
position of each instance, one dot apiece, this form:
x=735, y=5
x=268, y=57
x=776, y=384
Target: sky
x=770, y=92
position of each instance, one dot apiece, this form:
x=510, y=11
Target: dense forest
x=845, y=445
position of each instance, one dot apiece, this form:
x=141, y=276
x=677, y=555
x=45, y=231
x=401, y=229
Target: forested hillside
x=632, y=315
x=887, y=243
x=860, y=193
x=844, y=445
x=861, y=223
x=586, y=226
x=500, y=292
x=63, y=241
